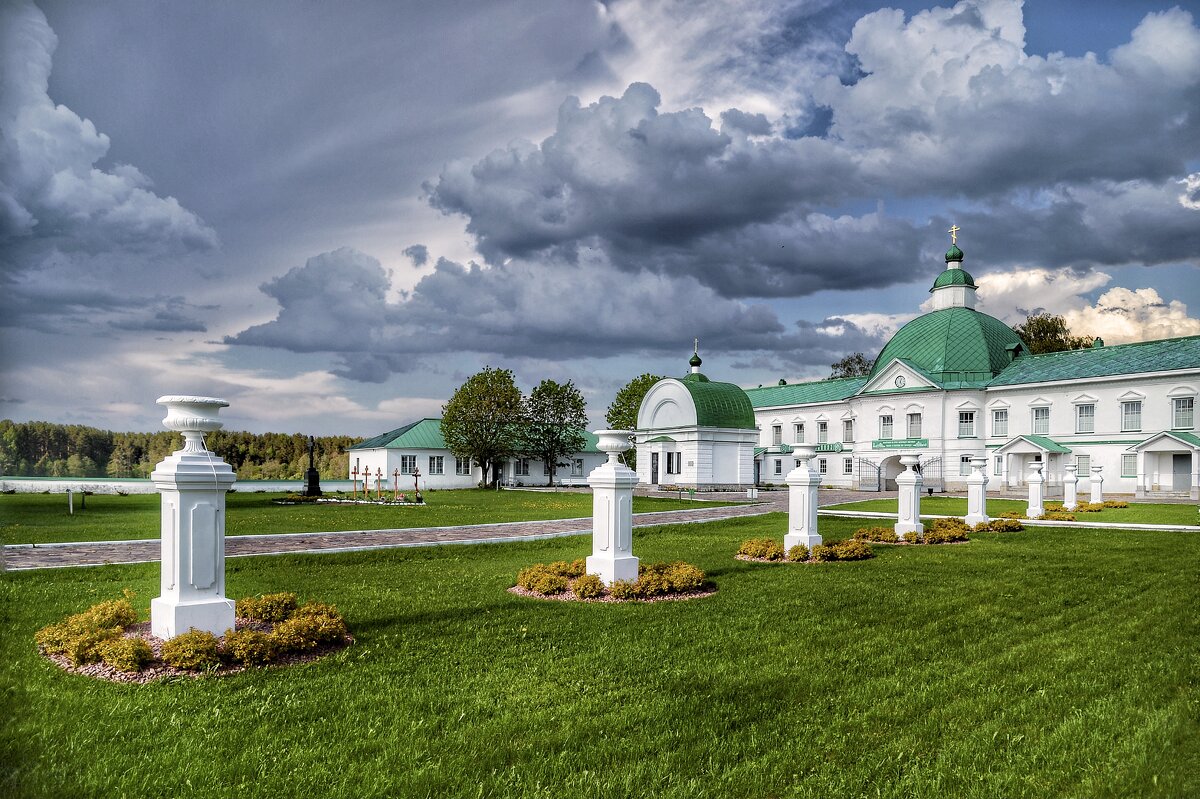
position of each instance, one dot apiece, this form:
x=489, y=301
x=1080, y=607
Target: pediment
x=1085, y=399
x=898, y=376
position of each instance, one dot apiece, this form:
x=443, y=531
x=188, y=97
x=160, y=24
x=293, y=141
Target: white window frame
x=822, y=432
x=1183, y=413
x=437, y=464
x=887, y=427
x=778, y=466
x=913, y=423
x=521, y=467
x=848, y=466
x=1040, y=413
x=1129, y=465
x=462, y=467
x=577, y=467
x=997, y=465
x=1083, y=463
x=1131, y=416
x=776, y=434
x=847, y=431
x=798, y=432
x=408, y=464
x=822, y=466
x=966, y=424
x=1000, y=421
x=964, y=465
x=1085, y=422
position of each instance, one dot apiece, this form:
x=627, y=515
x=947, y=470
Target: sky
x=332, y=214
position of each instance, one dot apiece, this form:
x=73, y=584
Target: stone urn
x=193, y=417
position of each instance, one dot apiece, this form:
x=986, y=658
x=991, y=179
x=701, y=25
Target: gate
x=869, y=475
x=931, y=474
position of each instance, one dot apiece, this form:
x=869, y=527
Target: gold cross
x=953, y=231
x=696, y=346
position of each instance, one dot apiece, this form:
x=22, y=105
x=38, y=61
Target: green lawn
x=1050, y=662
x=1136, y=513
x=43, y=518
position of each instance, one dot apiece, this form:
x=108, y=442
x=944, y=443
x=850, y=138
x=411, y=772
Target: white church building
x=952, y=384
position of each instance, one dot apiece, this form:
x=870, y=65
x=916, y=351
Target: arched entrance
x=889, y=470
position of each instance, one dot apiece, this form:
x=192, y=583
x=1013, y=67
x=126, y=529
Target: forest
x=46, y=449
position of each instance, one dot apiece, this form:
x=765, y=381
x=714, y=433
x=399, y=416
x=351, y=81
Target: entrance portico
x=1021, y=453
x=1168, y=463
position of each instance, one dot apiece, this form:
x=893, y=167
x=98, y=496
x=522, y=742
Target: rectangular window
x=1085, y=418
x=964, y=465
x=1041, y=421
x=914, y=425
x=1131, y=416
x=847, y=466
x=462, y=466
x=522, y=469
x=822, y=432
x=822, y=465
x=848, y=430
x=798, y=432
x=1184, y=416
x=778, y=466
x=675, y=462
x=437, y=464
x=408, y=464
x=966, y=424
x=885, y=428
x=577, y=467
x=776, y=434
x=998, y=465
x=1000, y=422
x=1083, y=464
x=1129, y=465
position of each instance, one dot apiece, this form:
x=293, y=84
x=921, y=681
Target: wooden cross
x=396, y=485
x=354, y=474
x=953, y=231
x=378, y=478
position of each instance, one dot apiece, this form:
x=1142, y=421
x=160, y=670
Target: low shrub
x=912, y=537
x=126, y=654
x=1002, y=526
x=541, y=580
x=81, y=635
x=950, y=526
x=325, y=623
x=113, y=613
x=1089, y=507
x=588, y=586
x=885, y=535
x=798, y=553
x=1057, y=516
x=823, y=553
x=653, y=580
x=624, y=589
x=249, y=647
x=684, y=577
x=84, y=647
x=1115, y=503
x=567, y=569
x=193, y=650
x=947, y=534
x=762, y=549
x=1011, y=514
x=270, y=608
x=851, y=549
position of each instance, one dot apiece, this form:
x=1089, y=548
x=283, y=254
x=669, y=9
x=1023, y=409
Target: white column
x=908, y=519
x=1097, y=485
x=192, y=482
x=612, y=512
x=1070, y=488
x=1036, y=507
x=977, y=492
x=802, y=482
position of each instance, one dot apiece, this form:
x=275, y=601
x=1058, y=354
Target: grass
x=43, y=518
x=1048, y=662
x=1136, y=513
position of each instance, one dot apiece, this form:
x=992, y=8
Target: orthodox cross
x=953, y=231
x=354, y=474
x=378, y=478
x=696, y=346
x=396, y=484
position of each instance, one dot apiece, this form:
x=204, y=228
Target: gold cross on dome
x=696, y=346
x=953, y=231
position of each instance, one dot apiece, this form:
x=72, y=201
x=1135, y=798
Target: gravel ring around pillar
x=569, y=596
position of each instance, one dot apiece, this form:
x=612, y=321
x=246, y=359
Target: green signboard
x=900, y=443
x=834, y=447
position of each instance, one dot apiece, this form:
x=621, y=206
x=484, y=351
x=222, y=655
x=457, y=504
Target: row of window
x=521, y=467
x=437, y=465
x=822, y=432
x=1083, y=464
x=822, y=466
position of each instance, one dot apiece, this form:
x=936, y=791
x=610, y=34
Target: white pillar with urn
x=193, y=483
x=977, y=492
x=612, y=511
x=909, y=482
x=1070, y=488
x=1097, y=485
x=803, y=482
x=1036, y=506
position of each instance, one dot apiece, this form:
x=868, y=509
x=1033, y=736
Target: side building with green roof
x=399, y=458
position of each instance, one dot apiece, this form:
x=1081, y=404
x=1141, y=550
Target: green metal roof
x=1121, y=359
x=805, y=393
x=957, y=347
x=719, y=404
x=427, y=434
x=954, y=277
x=661, y=439
x=1041, y=442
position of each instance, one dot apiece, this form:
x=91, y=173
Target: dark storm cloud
x=419, y=254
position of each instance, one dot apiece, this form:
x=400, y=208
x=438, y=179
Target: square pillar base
x=904, y=527
x=168, y=619
x=612, y=569
x=792, y=539
x=978, y=518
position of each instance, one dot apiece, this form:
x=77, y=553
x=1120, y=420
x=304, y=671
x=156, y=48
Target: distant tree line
x=46, y=449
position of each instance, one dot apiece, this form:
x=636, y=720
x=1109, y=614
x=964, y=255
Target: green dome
x=954, y=277
x=954, y=254
x=953, y=346
x=719, y=404
x=695, y=359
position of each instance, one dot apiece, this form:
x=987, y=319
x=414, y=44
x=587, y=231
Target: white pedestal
x=1070, y=488
x=193, y=483
x=977, y=493
x=1036, y=484
x=1097, y=485
x=908, y=518
x=612, y=512
x=802, y=483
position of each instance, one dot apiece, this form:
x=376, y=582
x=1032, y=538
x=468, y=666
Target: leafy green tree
x=1046, y=332
x=622, y=413
x=483, y=418
x=853, y=365
x=555, y=418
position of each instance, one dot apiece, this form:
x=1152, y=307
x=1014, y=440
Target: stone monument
x=802, y=482
x=1036, y=507
x=1097, y=485
x=909, y=482
x=612, y=512
x=1070, y=488
x=977, y=492
x=312, y=479
x=193, y=483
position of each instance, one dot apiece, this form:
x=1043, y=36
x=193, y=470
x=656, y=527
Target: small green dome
x=954, y=254
x=953, y=346
x=955, y=276
x=695, y=359
x=719, y=404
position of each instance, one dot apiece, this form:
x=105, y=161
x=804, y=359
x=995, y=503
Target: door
x=1181, y=472
x=757, y=471
x=654, y=468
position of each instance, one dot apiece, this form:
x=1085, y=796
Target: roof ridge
x=1110, y=347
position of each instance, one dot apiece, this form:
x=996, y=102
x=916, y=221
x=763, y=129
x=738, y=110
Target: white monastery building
x=950, y=385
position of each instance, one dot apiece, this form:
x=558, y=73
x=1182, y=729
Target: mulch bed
x=569, y=596
x=157, y=670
